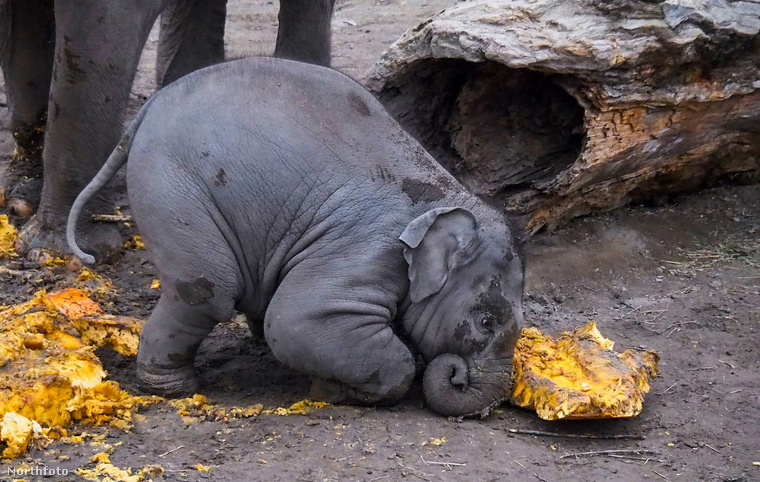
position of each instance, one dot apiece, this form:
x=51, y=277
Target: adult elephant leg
x=305, y=30
x=97, y=48
x=27, y=43
x=191, y=37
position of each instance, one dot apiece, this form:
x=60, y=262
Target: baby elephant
x=286, y=191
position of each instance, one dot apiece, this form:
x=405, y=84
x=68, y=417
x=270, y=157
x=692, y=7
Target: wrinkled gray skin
x=285, y=191
x=68, y=68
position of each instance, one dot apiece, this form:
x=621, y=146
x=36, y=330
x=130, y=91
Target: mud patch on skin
x=492, y=301
x=27, y=156
x=383, y=173
x=72, y=62
x=358, y=104
x=196, y=293
x=420, y=191
x=183, y=359
x=493, y=304
x=474, y=345
x=493, y=295
x=221, y=178
x=462, y=330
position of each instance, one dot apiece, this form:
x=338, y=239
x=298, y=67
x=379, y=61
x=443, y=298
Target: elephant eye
x=485, y=323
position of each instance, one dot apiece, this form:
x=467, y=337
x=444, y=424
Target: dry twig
x=668, y=389
x=659, y=314
x=629, y=313
x=575, y=435
x=677, y=326
x=610, y=452
x=644, y=459
x=740, y=250
x=448, y=465
x=112, y=218
x=417, y=473
x=660, y=475
x=12, y=272
x=172, y=450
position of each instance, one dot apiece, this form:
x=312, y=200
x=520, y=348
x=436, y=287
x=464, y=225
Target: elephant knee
x=390, y=386
x=376, y=390
x=398, y=382
x=385, y=377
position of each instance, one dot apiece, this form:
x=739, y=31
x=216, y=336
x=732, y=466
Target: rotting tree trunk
x=559, y=108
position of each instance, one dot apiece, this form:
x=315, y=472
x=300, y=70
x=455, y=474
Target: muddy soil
x=682, y=278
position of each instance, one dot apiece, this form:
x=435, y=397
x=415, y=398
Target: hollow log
x=558, y=108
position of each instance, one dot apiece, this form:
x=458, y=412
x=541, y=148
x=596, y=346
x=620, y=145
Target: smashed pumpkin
x=7, y=238
x=49, y=374
x=579, y=376
x=16, y=432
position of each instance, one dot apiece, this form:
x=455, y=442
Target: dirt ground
x=682, y=278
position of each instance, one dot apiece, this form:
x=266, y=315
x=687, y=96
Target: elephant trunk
x=452, y=388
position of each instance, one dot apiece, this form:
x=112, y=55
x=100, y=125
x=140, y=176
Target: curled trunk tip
x=450, y=389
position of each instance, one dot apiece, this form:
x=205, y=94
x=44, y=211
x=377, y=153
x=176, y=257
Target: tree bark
x=557, y=108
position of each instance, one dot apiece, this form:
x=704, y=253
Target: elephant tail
x=115, y=161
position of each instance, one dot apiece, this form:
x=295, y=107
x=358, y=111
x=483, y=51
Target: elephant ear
x=437, y=242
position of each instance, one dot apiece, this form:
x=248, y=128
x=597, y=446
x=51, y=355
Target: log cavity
x=499, y=130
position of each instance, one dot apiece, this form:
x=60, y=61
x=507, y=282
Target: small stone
x=74, y=264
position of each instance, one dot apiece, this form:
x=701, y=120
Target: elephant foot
x=21, y=180
x=38, y=239
x=21, y=185
x=167, y=382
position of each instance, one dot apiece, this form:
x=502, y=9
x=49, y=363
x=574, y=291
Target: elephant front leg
x=97, y=48
x=348, y=347
x=304, y=32
x=27, y=43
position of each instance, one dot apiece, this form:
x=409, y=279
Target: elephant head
x=465, y=306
